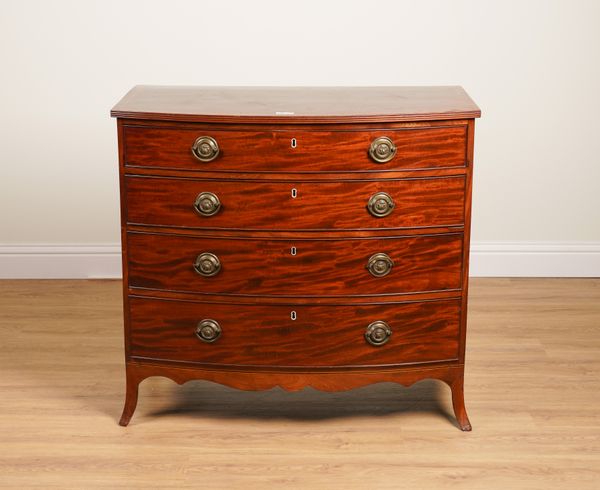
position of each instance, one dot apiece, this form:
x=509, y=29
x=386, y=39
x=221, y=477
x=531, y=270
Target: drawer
x=295, y=150
x=320, y=336
x=221, y=204
x=278, y=267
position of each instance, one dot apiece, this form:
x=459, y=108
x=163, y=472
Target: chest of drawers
x=295, y=237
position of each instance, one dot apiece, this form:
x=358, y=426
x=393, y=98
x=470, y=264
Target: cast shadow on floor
x=206, y=399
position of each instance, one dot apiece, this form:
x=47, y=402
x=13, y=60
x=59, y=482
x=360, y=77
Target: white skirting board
x=535, y=259
x=488, y=259
x=60, y=261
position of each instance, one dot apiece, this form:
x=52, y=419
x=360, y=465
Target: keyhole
x=293, y=251
x=293, y=315
x=294, y=142
x=294, y=193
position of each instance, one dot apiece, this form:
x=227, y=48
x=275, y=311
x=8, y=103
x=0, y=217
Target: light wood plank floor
x=532, y=391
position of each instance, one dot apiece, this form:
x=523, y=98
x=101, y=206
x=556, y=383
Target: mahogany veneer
x=267, y=151
x=266, y=267
x=251, y=205
x=426, y=332
x=296, y=237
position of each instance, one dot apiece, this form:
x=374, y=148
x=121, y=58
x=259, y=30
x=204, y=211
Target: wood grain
x=327, y=380
x=467, y=242
x=258, y=205
x=284, y=105
x=308, y=300
x=320, y=267
x=432, y=128
x=319, y=336
x=532, y=384
x=317, y=150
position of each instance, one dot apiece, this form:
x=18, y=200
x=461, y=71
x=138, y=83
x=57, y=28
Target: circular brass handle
x=208, y=330
x=381, y=204
x=207, y=264
x=382, y=149
x=205, y=149
x=378, y=333
x=380, y=265
x=207, y=204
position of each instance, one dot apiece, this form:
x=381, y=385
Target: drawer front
x=295, y=206
x=296, y=150
x=295, y=267
x=266, y=335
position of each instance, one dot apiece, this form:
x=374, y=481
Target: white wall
x=532, y=66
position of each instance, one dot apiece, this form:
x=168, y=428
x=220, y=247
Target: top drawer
x=302, y=151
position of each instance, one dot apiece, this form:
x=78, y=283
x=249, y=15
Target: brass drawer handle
x=382, y=149
x=208, y=330
x=207, y=264
x=381, y=204
x=207, y=204
x=378, y=333
x=205, y=149
x=380, y=265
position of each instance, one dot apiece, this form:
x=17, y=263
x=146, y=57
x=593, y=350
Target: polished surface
x=297, y=104
x=170, y=246
x=324, y=205
x=532, y=381
x=266, y=267
x=318, y=149
x=313, y=337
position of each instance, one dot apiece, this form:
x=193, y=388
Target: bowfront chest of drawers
x=296, y=237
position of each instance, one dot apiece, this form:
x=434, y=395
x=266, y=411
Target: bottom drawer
x=308, y=336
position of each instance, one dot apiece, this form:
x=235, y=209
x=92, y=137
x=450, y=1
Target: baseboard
x=60, y=261
x=488, y=259
x=535, y=259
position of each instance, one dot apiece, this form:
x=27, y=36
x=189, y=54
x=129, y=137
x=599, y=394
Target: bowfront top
x=289, y=105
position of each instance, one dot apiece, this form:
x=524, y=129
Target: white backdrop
x=532, y=66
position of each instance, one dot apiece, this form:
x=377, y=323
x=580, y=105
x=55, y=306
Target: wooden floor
x=532, y=390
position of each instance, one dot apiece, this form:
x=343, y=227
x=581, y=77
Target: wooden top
x=284, y=105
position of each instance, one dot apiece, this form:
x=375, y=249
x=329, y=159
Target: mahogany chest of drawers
x=296, y=237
